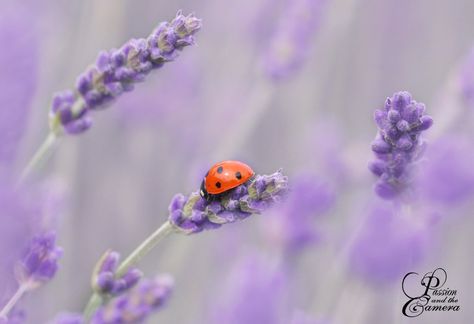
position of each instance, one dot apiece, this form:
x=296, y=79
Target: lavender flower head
x=194, y=214
x=104, y=280
x=116, y=71
x=137, y=304
x=398, y=143
x=39, y=262
x=291, y=41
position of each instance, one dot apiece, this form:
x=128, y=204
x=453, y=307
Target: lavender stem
x=13, y=301
x=143, y=249
x=39, y=156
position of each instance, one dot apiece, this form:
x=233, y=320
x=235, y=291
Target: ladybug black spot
x=238, y=175
x=220, y=169
x=218, y=184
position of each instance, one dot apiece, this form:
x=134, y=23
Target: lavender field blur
x=356, y=115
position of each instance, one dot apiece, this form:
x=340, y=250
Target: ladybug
x=224, y=176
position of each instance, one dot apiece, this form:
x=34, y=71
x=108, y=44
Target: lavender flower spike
x=37, y=266
x=194, y=214
x=398, y=143
x=104, y=279
x=40, y=261
x=116, y=71
x=137, y=304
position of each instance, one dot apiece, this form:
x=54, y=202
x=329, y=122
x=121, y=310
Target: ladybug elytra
x=224, y=176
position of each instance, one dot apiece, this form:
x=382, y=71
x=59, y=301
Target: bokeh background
x=228, y=98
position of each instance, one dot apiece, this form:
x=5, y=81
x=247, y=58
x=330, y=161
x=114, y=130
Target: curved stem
x=40, y=154
x=143, y=249
x=92, y=305
x=13, y=301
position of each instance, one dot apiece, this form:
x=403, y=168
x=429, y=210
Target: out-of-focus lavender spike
x=18, y=66
x=68, y=318
x=291, y=41
x=137, y=304
x=390, y=244
x=116, y=71
x=104, y=278
x=194, y=214
x=39, y=262
x=19, y=218
x=253, y=293
x=398, y=143
x=447, y=176
x=292, y=225
x=466, y=79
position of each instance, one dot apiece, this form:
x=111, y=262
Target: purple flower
x=137, y=304
x=292, y=225
x=104, y=280
x=291, y=41
x=466, y=78
x=68, y=318
x=194, y=214
x=390, y=244
x=116, y=71
x=398, y=143
x=18, y=66
x=39, y=262
x=447, y=176
x=253, y=293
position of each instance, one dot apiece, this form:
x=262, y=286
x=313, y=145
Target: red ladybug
x=224, y=176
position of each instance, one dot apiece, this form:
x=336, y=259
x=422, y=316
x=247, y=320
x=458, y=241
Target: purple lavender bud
x=291, y=41
x=398, y=144
x=39, y=262
x=104, y=279
x=137, y=304
x=117, y=70
x=389, y=245
x=68, y=318
x=194, y=214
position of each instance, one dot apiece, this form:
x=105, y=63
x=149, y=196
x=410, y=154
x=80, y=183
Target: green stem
x=39, y=156
x=13, y=301
x=143, y=249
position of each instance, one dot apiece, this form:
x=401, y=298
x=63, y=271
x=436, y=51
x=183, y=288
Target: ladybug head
x=203, y=192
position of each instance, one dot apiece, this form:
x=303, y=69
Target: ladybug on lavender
x=224, y=176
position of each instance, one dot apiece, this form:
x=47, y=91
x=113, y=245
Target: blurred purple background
x=289, y=84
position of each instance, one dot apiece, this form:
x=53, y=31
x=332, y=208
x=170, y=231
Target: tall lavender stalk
x=193, y=214
x=114, y=73
x=398, y=144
